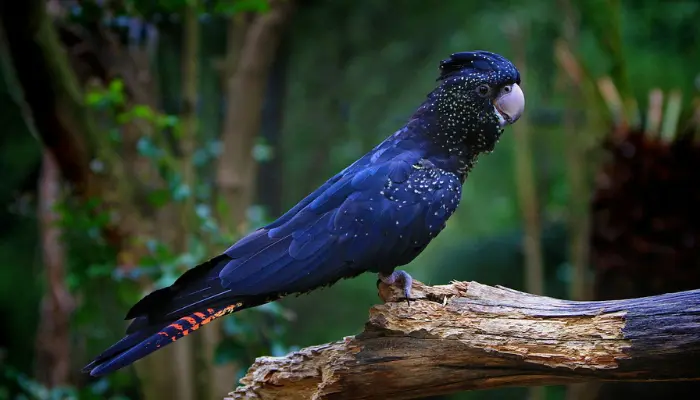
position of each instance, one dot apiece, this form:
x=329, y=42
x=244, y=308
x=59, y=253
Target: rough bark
x=469, y=336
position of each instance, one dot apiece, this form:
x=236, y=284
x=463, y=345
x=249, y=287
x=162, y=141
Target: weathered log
x=469, y=336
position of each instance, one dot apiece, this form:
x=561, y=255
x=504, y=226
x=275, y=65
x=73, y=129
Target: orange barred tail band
x=145, y=341
x=185, y=325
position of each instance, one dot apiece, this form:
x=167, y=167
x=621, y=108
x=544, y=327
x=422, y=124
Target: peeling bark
x=469, y=336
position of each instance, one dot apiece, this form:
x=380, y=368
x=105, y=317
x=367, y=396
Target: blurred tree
x=53, y=354
x=134, y=169
x=20, y=159
x=644, y=236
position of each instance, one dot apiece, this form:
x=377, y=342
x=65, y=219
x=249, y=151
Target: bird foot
x=401, y=279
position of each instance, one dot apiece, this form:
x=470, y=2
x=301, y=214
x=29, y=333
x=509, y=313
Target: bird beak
x=510, y=104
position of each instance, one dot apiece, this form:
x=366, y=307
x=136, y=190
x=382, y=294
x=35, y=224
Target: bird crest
x=480, y=60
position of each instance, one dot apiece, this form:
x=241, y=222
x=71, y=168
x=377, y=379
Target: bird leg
x=396, y=278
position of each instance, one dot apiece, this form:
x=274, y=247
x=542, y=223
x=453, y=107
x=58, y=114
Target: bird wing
x=374, y=218
x=332, y=236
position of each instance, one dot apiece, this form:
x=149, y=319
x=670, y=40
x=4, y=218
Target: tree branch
x=469, y=336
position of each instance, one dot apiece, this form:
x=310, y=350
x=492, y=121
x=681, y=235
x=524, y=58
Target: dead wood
x=469, y=336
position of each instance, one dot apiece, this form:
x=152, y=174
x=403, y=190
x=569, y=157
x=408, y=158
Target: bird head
x=479, y=95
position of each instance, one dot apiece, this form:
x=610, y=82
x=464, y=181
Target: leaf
x=181, y=192
x=203, y=210
x=116, y=86
x=159, y=197
x=167, y=121
x=116, y=92
x=94, y=98
x=99, y=270
x=143, y=111
x=231, y=7
x=263, y=152
x=147, y=148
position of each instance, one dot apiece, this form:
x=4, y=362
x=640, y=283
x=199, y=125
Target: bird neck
x=450, y=141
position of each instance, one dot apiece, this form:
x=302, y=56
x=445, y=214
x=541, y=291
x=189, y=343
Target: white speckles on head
x=459, y=119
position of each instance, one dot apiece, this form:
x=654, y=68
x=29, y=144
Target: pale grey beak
x=510, y=104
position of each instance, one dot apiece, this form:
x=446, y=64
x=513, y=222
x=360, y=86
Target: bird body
x=375, y=215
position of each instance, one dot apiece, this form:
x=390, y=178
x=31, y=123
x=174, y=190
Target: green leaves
x=230, y=7
x=112, y=96
x=92, y=10
x=262, y=151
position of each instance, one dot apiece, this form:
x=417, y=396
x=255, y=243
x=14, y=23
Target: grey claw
x=401, y=277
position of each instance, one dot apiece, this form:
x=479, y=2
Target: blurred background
x=141, y=137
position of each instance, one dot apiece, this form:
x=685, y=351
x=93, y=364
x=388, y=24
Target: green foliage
x=130, y=11
x=230, y=7
x=27, y=388
x=93, y=273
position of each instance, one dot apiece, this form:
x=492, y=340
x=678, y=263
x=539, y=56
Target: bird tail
x=144, y=338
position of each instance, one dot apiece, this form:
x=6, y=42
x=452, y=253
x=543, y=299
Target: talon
x=407, y=294
x=399, y=277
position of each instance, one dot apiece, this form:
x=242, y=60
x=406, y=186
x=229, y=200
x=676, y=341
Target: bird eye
x=483, y=90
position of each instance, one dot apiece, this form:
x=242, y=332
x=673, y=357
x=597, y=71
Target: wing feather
x=370, y=218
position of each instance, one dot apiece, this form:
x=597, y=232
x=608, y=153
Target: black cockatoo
x=375, y=215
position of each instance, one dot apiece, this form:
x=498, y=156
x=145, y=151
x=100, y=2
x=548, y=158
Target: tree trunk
x=525, y=181
x=527, y=191
x=250, y=52
x=271, y=175
x=577, y=166
x=134, y=177
x=51, y=91
x=246, y=81
x=469, y=336
x=53, y=343
x=578, y=179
